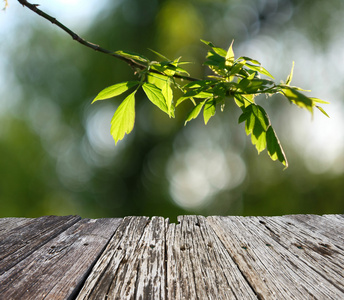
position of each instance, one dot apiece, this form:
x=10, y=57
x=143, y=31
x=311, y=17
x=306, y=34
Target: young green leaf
x=258, y=138
x=230, y=55
x=133, y=55
x=256, y=124
x=124, y=118
x=237, y=68
x=290, y=76
x=194, y=112
x=259, y=69
x=220, y=51
x=160, y=55
x=168, y=95
x=243, y=100
x=210, y=44
x=209, y=110
x=164, y=84
x=261, y=116
x=297, y=98
x=274, y=147
x=155, y=95
x=115, y=90
x=194, y=94
x=322, y=110
x=317, y=100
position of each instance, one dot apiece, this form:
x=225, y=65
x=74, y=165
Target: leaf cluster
x=237, y=79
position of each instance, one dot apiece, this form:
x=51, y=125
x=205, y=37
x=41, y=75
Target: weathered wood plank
x=272, y=270
x=132, y=266
x=289, y=257
x=23, y=240
x=7, y=224
x=57, y=269
x=315, y=250
x=330, y=226
x=199, y=266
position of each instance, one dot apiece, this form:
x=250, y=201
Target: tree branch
x=132, y=63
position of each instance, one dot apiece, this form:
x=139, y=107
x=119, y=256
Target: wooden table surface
x=288, y=257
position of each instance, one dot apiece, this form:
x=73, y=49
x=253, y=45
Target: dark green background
x=51, y=162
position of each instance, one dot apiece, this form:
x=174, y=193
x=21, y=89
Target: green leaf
x=220, y=51
x=257, y=123
x=194, y=94
x=256, y=62
x=255, y=85
x=164, y=84
x=259, y=69
x=237, y=68
x=115, y=90
x=290, y=76
x=155, y=95
x=258, y=138
x=261, y=116
x=297, y=98
x=133, y=55
x=168, y=95
x=194, y=112
x=209, y=110
x=124, y=118
x=243, y=100
x=168, y=68
x=317, y=100
x=199, y=84
x=210, y=44
x=274, y=147
x=322, y=110
x=230, y=55
x=160, y=55
x=244, y=116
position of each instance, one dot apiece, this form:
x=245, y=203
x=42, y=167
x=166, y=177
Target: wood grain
x=272, y=270
x=25, y=239
x=288, y=257
x=56, y=269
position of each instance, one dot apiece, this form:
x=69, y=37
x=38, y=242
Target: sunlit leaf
x=230, y=55
x=133, y=55
x=243, y=100
x=297, y=98
x=155, y=95
x=317, y=100
x=210, y=44
x=290, y=76
x=256, y=62
x=168, y=95
x=250, y=122
x=194, y=112
x=322, y=110
x=259, y=69
x=194, y=94
x=274, y=147
x=115, y=90
x=160, y=55
x=220, y=51
x=124, y=118
x=209, y=111
x=237, y=68
x=258, y=138
x=261, y=116
x=164, y=84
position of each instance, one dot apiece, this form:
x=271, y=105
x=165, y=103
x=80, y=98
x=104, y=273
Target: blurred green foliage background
x=56, y=152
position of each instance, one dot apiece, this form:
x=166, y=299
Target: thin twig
x=132, y=63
